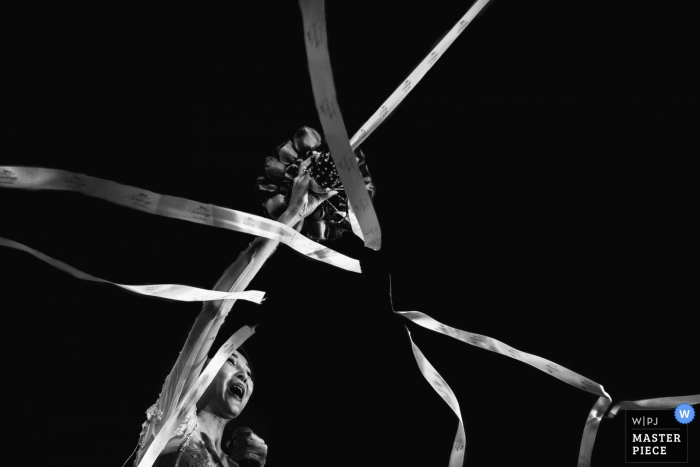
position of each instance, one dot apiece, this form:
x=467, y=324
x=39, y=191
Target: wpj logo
x=656, y=436
x=685, y=413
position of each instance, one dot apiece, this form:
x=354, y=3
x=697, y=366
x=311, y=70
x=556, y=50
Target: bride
x=198, y=440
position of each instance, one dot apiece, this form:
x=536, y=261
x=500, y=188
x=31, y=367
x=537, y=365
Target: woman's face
x=228, y=394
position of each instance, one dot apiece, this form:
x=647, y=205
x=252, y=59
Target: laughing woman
x=198, y=440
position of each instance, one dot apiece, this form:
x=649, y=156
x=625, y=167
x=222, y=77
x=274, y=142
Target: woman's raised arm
x=236, y=278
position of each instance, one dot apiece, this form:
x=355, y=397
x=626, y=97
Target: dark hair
x=240, y=350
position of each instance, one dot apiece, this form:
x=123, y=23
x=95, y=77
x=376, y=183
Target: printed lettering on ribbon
x=416, y=75
x=183, y=293
x=35, y=178
x=334, y=131
x=441, y=387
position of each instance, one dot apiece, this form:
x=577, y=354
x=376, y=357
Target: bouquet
x=330, y=220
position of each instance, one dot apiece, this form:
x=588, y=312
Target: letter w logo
x=684, y=413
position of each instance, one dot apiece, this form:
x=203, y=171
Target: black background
x=535, y=187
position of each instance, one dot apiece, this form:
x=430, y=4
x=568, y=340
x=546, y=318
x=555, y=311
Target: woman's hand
x=302, y=202
x=248, y=448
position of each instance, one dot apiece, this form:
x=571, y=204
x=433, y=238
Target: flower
x=264, y=184
x=307, y=139
x=330, y=220
x=274, y=168
x=286, y=153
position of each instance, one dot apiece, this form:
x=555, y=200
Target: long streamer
x=193, y=395
x=416, y=75
x=316, y=40
x=406, y=87
x=443, y=389
x=35, y=178
x=557, y=371
x=183, y=293
x=590, y=430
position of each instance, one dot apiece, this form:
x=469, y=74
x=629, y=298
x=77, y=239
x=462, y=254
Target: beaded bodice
x=192, y=451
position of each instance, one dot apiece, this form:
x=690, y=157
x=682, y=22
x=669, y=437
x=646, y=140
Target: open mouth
x=237, y=390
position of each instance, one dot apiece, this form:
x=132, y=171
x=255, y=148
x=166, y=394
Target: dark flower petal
x=329, y=221
x=274, y=168
x=318, y=214
x=266, y=185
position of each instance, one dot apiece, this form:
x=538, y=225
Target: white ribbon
x=572, y=378
x=34, y=178
x=443, y=389
x=334, y=131
x=590, y=430
x=557, y=371
x=183, y=293
x=406, y=87
x=564, y=374
x=416, y=75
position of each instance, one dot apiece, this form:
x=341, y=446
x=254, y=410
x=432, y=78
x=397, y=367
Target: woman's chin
x=234, y=406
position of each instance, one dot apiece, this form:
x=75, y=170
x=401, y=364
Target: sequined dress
x=186, y=448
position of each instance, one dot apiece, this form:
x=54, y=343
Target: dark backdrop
x=535, y=187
